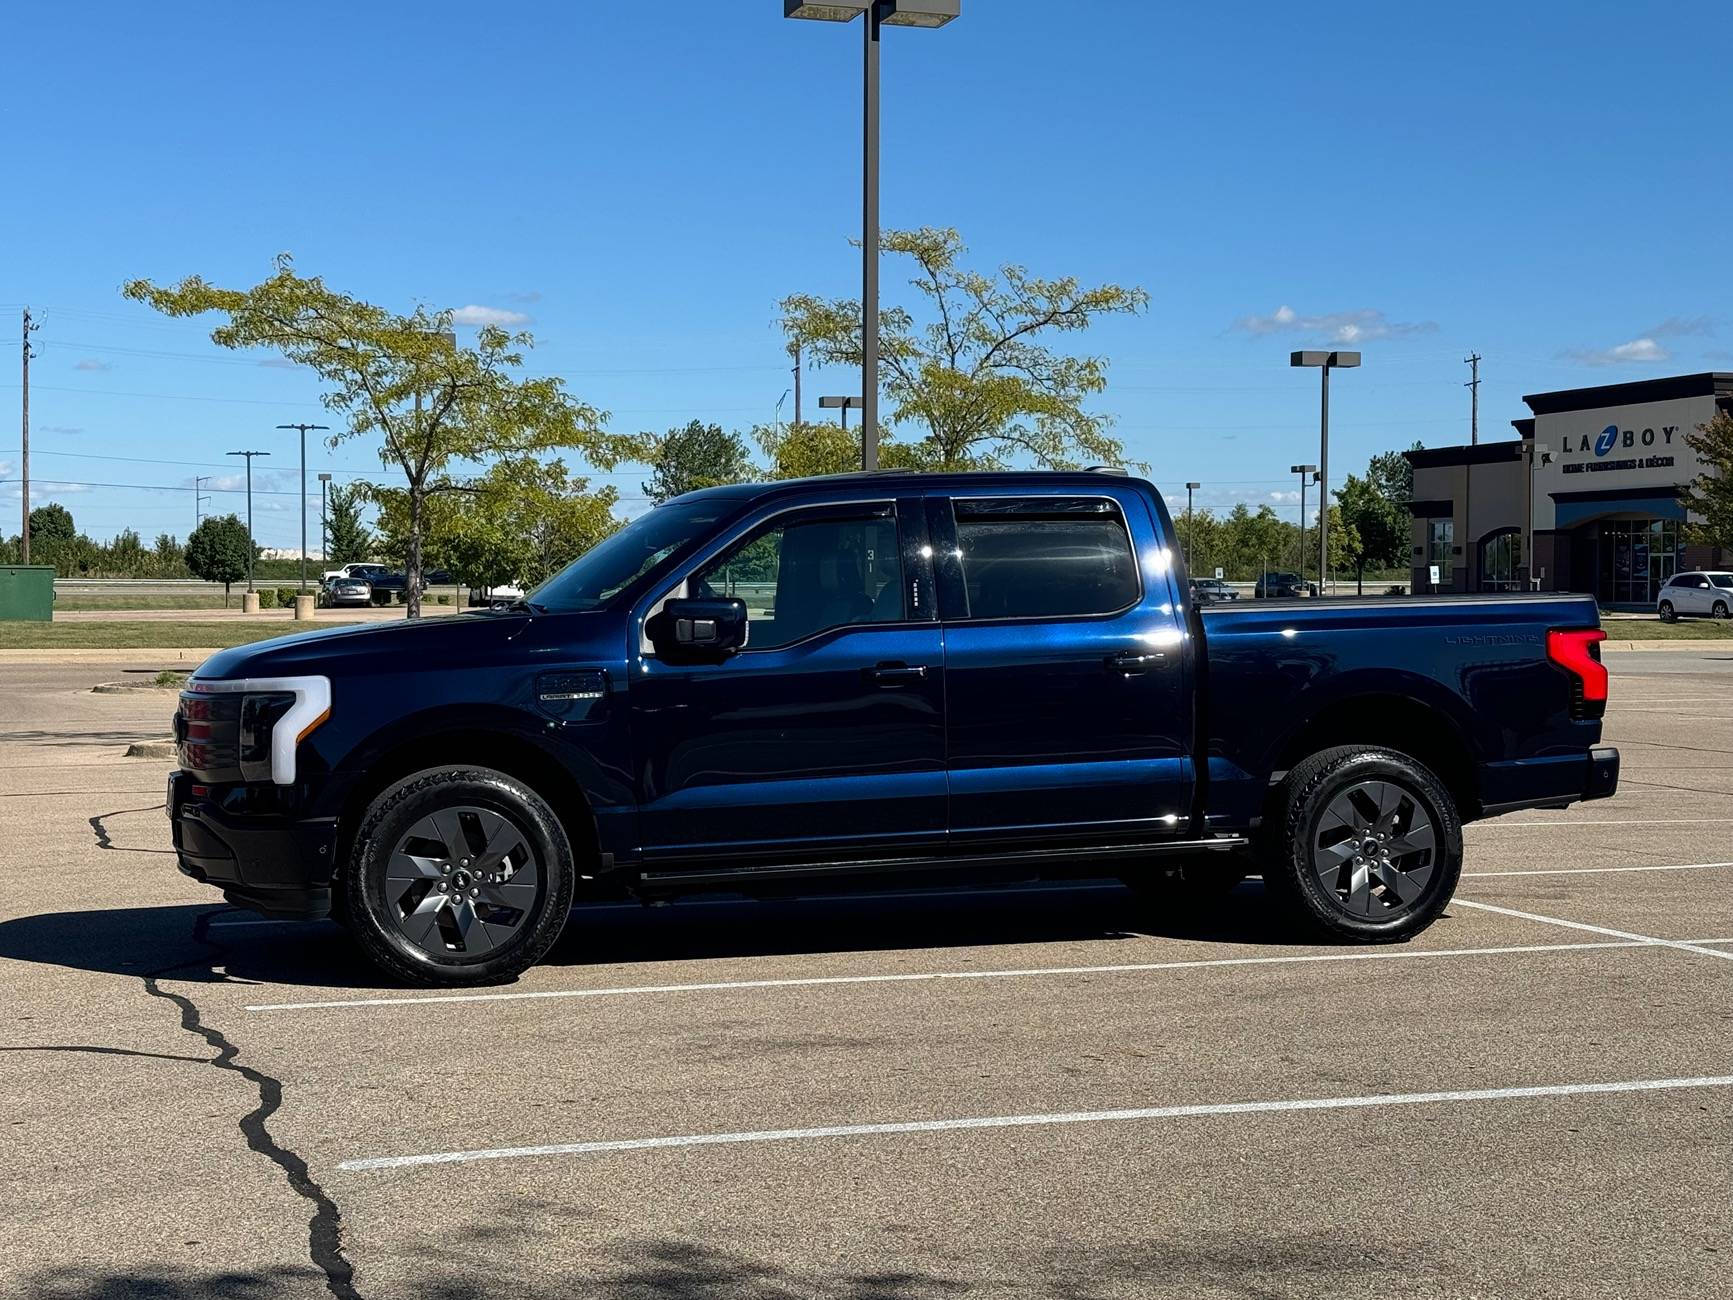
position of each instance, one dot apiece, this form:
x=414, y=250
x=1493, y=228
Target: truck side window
x=802, y=576
x=1045, y=557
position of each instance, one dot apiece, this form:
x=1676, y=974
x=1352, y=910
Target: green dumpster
x=27, y=592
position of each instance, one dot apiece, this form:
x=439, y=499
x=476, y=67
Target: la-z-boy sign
x=1613, y=439
x=1641, y=445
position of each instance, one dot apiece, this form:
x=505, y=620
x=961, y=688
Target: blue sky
x=1542, y=183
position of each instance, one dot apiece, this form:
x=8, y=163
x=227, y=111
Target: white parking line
x=1684, y=945
x=641, y=990
x=1031, y=1121
x=1600, y=871
x=1498, y=824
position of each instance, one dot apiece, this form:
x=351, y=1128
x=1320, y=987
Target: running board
x=775, y=871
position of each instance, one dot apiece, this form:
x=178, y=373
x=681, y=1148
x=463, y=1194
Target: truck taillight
x=1578, y=651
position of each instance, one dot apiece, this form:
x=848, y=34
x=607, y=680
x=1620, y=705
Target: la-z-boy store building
x=1586, y=499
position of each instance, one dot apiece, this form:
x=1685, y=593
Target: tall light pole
x=303, y=428
x=1189, y=489
x=1303, y=471
x=251, y=548
x=845, y=405
x=324, y=544
x=879, y=13
x=776, y=415
x=1325, y=361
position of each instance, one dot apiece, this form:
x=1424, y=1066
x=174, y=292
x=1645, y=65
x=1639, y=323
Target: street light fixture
x=1189, y=489
x=250, y=547
x=879, y=13
x=324, y=545
x=1325, y=361
x=303, y=428
x=1303, y=471
x=845, y=405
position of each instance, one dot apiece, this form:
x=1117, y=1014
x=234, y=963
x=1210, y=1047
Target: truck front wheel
x=461, y=875
x=1364, y=843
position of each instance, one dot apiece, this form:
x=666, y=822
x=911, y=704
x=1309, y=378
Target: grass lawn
x=1652, y=629
x=188, y=600
x=144, y=636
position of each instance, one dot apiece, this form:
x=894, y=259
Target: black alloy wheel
x=460, y=876
x=1365, y=843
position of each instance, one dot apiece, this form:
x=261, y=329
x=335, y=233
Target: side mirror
x=698, y=631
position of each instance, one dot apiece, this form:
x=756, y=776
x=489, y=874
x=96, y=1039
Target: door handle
x=894, y=674
x=1135, y=661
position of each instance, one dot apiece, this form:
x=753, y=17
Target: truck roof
x=897, y=478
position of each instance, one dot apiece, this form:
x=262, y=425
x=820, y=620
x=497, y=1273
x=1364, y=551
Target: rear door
x=1067, y=695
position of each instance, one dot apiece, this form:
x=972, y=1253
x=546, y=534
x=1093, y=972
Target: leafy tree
x=348, y=539
x=51, y=523
x=1392, y=477
x=1710, y=495
x=522, y=521
x=169, y=554
x=808, y=450
x=978, y=376
x=218, y=551
x=401, y=379
x=698, y=456
x=1380, y=526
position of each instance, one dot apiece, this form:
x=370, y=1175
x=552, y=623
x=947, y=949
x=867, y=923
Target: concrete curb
x=142, y=657
x=1679, y=643
x=151, y=749
x=133, y=688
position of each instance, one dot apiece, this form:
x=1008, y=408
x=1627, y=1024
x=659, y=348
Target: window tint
x=1721, y=579
x=1045, y=558
x=803, y=575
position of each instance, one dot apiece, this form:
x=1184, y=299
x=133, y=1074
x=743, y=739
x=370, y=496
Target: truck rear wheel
x=1364, y=843
x=460, y=875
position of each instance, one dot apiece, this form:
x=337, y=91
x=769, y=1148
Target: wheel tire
x=1720, y=610
x=411, y=928
x=1667, y=613
x=1186, y=884
x=1367, y=792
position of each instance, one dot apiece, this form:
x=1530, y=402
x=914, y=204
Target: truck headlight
x=260, y=715
x=264, y=719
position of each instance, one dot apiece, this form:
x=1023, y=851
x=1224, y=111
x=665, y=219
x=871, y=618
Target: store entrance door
x=1635, y=557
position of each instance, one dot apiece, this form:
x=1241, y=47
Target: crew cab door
x=1068, y=700
x=824, y=737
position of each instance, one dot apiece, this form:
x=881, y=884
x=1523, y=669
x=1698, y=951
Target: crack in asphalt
x=102, y=838
x=325, y=1227
x=106, y=1051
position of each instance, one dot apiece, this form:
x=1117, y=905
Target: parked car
x=1280, y=585
x=495, y=597
x=336, y=592
x=1708, y=594
x=360, y=569
x=807, y=684
x=1211, y=591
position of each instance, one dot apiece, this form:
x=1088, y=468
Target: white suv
x=1706, y=593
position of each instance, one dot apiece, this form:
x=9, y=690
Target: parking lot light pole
x=878, y=13
x=845, y=405
x=324, y=545
x=1189, y=489
x=303, y=428
x=1326, y=362
x=1303, y=471
x=251, y=548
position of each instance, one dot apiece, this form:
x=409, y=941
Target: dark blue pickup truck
x=783, y=687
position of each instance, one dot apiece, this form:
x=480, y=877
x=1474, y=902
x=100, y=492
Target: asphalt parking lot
x=1033, y=1092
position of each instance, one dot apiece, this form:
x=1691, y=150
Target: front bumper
x=268, y=862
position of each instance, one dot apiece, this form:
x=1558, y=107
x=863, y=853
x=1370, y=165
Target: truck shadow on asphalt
x=131, y=941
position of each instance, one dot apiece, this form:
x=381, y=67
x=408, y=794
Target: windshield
x=615, y=563
x=1721, y=579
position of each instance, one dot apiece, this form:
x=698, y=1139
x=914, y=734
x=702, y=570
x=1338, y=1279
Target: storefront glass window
x=1441, y=538
x=1500, y=562
x=1636, y=557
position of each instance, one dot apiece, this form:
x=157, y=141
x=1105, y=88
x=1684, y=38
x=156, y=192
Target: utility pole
x=1472, y=361
x=797, y=385
x=30, y=327
x=324, y=532
x=303, y=428
x=252, y=549
x=199, y=498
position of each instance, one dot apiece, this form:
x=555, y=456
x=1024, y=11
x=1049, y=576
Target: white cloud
x=1677, y=326
x=1286, y=498
x=1643, y=351
x=91, y=363
x=279, y=363
x=476, y=315
x=57, y=428
x=525, y=296
x=1362, y=325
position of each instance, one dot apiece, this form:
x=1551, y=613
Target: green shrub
x=442, y=600
x=286, y=597
x=267, y=597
